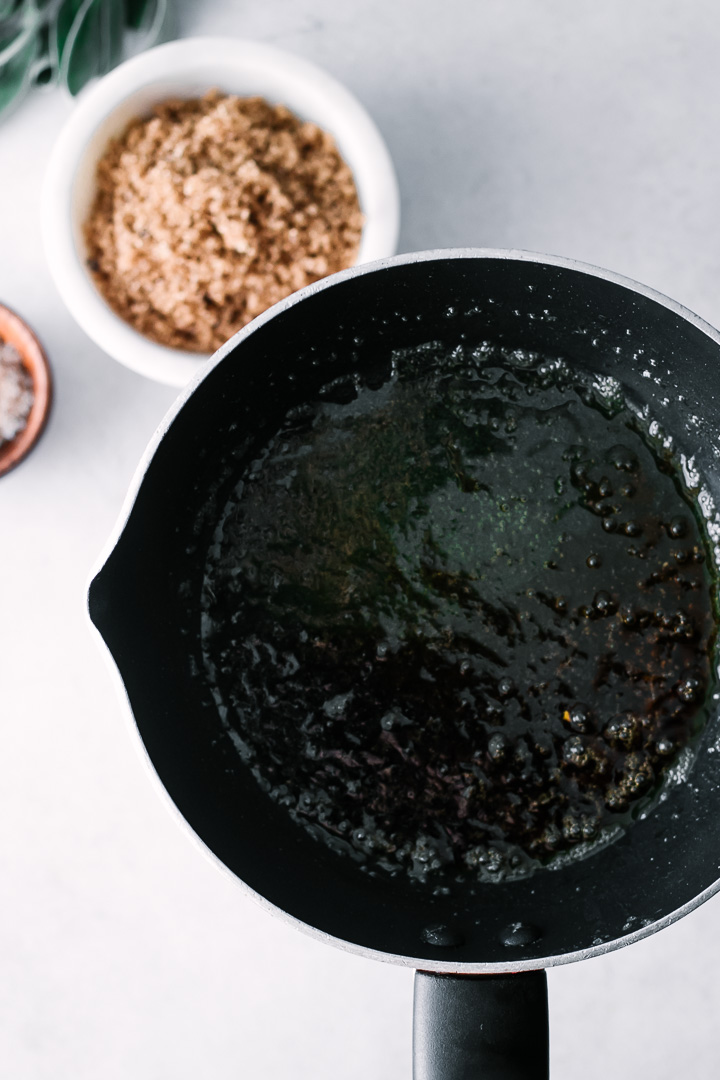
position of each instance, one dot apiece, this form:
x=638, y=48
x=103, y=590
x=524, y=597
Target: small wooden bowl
x=15, y=332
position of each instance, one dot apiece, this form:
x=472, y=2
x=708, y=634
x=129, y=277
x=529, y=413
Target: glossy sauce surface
x=460, y=624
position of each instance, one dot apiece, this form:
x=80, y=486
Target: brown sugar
x=214, y=209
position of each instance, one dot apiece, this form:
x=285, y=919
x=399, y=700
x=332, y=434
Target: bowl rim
x=163, y=68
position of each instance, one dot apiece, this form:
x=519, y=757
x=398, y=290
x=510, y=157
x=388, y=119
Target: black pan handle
x=480, y=1027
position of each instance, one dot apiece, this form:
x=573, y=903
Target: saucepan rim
x=440, y=254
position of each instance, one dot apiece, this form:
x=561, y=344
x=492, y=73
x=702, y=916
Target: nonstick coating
x=145, y=601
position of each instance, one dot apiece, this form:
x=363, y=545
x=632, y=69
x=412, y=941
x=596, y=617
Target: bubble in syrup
x=602, y=602
x=572, y=828
x=622, y=729
x=627, y=614
x=574, y=751
x=551, y=836
x=506, y=686
x=590, y=827
x=623, y=458
x=497, y=747
x=615, y=800
x=578, y=717
x=689, y=688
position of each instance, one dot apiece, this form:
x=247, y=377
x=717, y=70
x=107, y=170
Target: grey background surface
x=575, y=128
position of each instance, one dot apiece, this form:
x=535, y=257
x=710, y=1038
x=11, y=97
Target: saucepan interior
x=145, y=600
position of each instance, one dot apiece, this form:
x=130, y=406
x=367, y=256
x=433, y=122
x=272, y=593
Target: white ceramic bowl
x=186, y=69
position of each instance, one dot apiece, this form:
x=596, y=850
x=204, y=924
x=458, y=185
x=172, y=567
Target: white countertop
x=578, y=129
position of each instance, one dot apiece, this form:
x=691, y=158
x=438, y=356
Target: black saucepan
x=481, y=1007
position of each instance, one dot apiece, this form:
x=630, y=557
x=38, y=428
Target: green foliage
x=69, y=42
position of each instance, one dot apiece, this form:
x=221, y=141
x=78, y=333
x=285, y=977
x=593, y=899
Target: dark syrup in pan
x=461, y=625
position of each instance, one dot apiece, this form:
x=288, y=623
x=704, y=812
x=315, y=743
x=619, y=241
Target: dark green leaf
x=139, y=13
x=61, y=27
x=150, y=19
x=44, y=70
x=16, y=67
x=93, y=44
x=8, y=8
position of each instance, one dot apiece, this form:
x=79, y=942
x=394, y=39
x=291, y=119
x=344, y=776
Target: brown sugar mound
x=214, y=209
